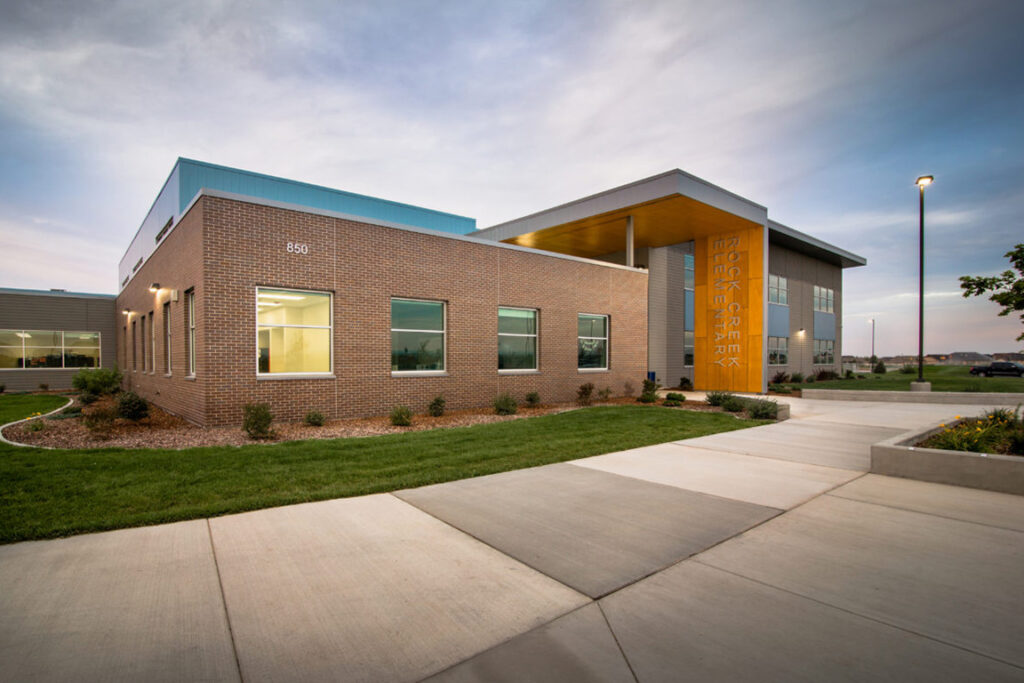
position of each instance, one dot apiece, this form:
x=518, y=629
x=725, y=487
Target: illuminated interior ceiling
x=656, y=223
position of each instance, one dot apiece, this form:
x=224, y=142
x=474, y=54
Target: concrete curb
x=957, y=397
x=897, y=457
x=7, y=441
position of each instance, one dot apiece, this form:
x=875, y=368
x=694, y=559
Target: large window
x=152, y=344
x=517, y=339
x=778, y=290
x=824, y=352
x=689, y=279
x=28, y=349
x=592, y=337
x=135, y=350
x=417, y=335
x=293, y=332
x=167, y=337
x=778, y=350
x=142, y=341
x=824, y=299
x=190, y=337
x=688, y=344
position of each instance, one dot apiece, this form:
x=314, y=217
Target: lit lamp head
x=155, y=287
x=125, y=311
x=925, y=180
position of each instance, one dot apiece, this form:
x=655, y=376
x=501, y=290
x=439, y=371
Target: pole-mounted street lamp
x=872, y=338
x=922, y=182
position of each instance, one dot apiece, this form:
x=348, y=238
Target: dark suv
x=999, y=368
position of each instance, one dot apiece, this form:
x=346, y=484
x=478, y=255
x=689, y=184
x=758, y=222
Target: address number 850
x=297, y=248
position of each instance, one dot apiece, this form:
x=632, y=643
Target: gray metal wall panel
x=778, y=320
x=57, y=312
x=824, y=325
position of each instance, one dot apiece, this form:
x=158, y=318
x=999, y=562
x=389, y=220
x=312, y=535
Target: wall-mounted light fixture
x=800, y=331
x=155, y=287
x=126, y=312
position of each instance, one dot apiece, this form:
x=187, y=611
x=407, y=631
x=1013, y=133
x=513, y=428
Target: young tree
x=1007, y=288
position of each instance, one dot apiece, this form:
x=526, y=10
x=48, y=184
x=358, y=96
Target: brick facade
x=225, y=248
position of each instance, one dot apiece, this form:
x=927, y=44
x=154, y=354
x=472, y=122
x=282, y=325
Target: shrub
x=605, y=394
x=43, y=386
x=685, y=384
x=797, y=378
x=809, y=379
x=131, y=406
x=648, y=398
x=70, y=411
x=908, y=369
x=848, y=375
x=585, y=394
x=650, y=386
x=628, y=389
x=36, y=426
x=505, y=405
x=97, y=381
x=825, y=375
x=3, y=388
x=533, y=399
x=668, y=403
x=256, y=419
x=879, y=368
x=780, y=389
x=436, y=407
x=734, y=404
x=716, y=398
x=780, y=377
x=99, y=421
x=314, y=419
x=672, y=396
x=401, y=416
x=760, y=409
x=87, y=398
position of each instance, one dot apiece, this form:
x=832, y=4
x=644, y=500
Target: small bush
x=314, y=419
x=685, y=384
x=760, y=409
x=533, y=399
x=131, y=406
x=87, y=398
x=668, y=403
x=908, y=369
x=505, y=405
x=879, y=368
x=825, y=375
x=97, y=381
x=848, y=375
x=585, y=394
x=797, y=378
x=809, y=379
x=70, y=411
x=99, y=421
x=605, y=394
x=36, y=426
x=650, y=386
x=648, y=398
x=628, y=389
x=401, y=416
x=3, y=388
x=780, y=389
x=256, y=419
x=716, y=398
x=43, y=386
x=780, y=377
x=436, y=407
x=734, y=404
x=672, y=396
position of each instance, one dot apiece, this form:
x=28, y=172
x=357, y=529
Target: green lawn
x=45, y=494
x=19, y=406
x=942, y=377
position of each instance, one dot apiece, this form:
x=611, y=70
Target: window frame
x=135, y=351
x=535, y=335
x=776, y=350
x=152, y=345
x=190, y=333
x=63, y=350
x=692, y=347
x=824, y=299
x=329, y=327
x=168, y=355
x=444, y=338
x=831, y=352
x=781, y=289
x=607, y=342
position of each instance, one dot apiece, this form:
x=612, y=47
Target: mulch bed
x=163, y=430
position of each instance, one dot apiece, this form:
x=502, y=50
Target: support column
x=629, y=241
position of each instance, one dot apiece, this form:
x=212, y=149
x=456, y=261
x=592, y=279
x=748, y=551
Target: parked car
x=999, y=368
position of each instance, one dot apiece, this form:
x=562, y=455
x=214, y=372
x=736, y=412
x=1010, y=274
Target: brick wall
x=243, y=246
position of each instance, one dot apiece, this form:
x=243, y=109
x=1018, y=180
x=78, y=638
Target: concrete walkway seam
x=918, y=512
x=224, y=601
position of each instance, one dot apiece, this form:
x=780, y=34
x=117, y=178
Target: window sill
x=190, y=378
x=296, y=375
x=589, y=370
x=419, y=373
x=518, y=372
x=167, y=374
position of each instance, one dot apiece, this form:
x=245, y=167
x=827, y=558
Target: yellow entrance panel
x=729, y=315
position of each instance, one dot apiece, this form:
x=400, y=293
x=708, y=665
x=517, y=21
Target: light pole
x=922, y=182
x=872, y=337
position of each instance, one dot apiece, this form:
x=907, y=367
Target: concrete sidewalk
x=763, y=554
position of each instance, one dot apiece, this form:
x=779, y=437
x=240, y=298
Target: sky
x=823, y=112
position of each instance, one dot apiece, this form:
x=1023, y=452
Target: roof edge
x=847, y=259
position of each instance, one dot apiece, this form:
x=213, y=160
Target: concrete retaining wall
x=898, y=457
x=958, y=397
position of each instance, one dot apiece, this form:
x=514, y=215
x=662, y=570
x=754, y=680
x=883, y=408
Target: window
x=778, y=350
x=152, y=344
x=592, y=337
x=688, y=272
x=824, y=352
x=778, y=290
x=517, y=339
x=417, y=335
x=142, y=342
x=167, y=337
x=190, y=339
x=824, y=299
x=28, y=349
x=688, y=343
x=688, y=335
x=134, y=350
x=293, y=332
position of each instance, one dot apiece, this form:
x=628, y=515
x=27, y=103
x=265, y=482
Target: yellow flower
x=958, y=417
x=943, y=424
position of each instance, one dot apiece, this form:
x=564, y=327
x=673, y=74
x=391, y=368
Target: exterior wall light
x=126, y=312
x=155, y=287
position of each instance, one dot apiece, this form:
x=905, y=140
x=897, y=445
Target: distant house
x=1012, y=357
x=968, y=358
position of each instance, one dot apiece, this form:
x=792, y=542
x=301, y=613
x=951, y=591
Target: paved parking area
x=766, y=554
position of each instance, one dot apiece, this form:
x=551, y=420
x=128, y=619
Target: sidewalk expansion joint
x=224, y=601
